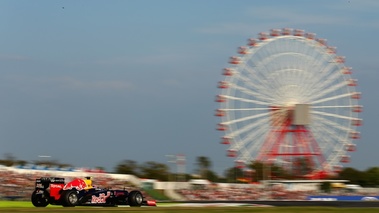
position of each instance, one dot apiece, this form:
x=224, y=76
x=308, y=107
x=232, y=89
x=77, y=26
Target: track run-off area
x=209, y=207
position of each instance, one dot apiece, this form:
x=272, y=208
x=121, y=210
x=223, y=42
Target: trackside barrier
x=343, y=198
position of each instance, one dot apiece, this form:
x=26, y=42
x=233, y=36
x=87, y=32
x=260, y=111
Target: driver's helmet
x=88, y=181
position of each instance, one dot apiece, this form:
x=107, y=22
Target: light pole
x=181, y=166
x=171, y=159
x=180, y=161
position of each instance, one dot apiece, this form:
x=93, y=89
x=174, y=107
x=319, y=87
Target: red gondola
x=356, y=122
x=322, y=41
x=223, y=85
x=274, y=32
x=311, y=36
x=356, y=95
x=345, y=159
x=243, y=50
x=252, y=42
x=354, y=135
x=228, y=72
x=352, y=82
x=221, y=127
x=262, y=36
x=235, y=60
x=232, y=153
x=286, y=31
x=239, y=164
x=346, y=70
x=225, y=140
x=357, y=108
x=340, y=59
x=220, y=113
x=220, y=98
x=298, y=32
x=351, y=147
x=331, y=50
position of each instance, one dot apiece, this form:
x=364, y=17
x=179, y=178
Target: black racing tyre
x=135, y=199
x=70, y=198
x=40, y=199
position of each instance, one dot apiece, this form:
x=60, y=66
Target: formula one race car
x=79, y=192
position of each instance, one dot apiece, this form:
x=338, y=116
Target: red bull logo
x=77, y=184
x=101, y=199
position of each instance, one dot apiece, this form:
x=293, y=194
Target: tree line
x=254, y=172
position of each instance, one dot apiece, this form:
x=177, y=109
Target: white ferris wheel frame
x=283, y=70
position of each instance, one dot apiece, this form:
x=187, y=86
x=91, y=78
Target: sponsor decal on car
x=119, y=193
x=56, y=186
x=101, y=199
x=78, y=184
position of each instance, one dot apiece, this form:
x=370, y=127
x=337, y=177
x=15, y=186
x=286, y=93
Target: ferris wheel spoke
x=332, y=124
x=250, y=92
x=262, y=96
x=248, y=127
x=331, y=141
x=331, y=98
x=258, y=136
x=327, y=135
x=246, y=100
x=245, y=140
x=245, y=118
x=327, y=88
x=258, y=146
x=259, y=79
x=328, y=75
x=244, y=109
x=316, y=83
x=246, y=153
x=330, y=107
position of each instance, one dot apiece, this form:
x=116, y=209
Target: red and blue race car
x=79, y=192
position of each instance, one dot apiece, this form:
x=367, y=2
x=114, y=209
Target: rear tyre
x=135, y=199
x=40, y=198
x=70, y=198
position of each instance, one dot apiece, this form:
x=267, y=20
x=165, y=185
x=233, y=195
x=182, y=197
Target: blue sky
x=92, y=83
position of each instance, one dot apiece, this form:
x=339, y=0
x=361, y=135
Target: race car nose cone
x=151, y=203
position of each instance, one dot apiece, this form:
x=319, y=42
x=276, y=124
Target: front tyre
x=70, y=198
x=40, y=198
x=135, y=199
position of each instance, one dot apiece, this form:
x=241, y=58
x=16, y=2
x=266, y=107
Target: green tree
x=353, y=175
x=371, y=176
x=325, y=187
x=212, y=176
x=233, y=174
x=127, y=167
x=9, y=160
x=154, y=170
x=204, y=165
x=266, y=171
x=259, y=171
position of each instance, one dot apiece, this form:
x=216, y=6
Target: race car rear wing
x=44, y=182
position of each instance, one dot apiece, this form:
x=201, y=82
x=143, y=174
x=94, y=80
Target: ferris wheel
x=287, y=95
